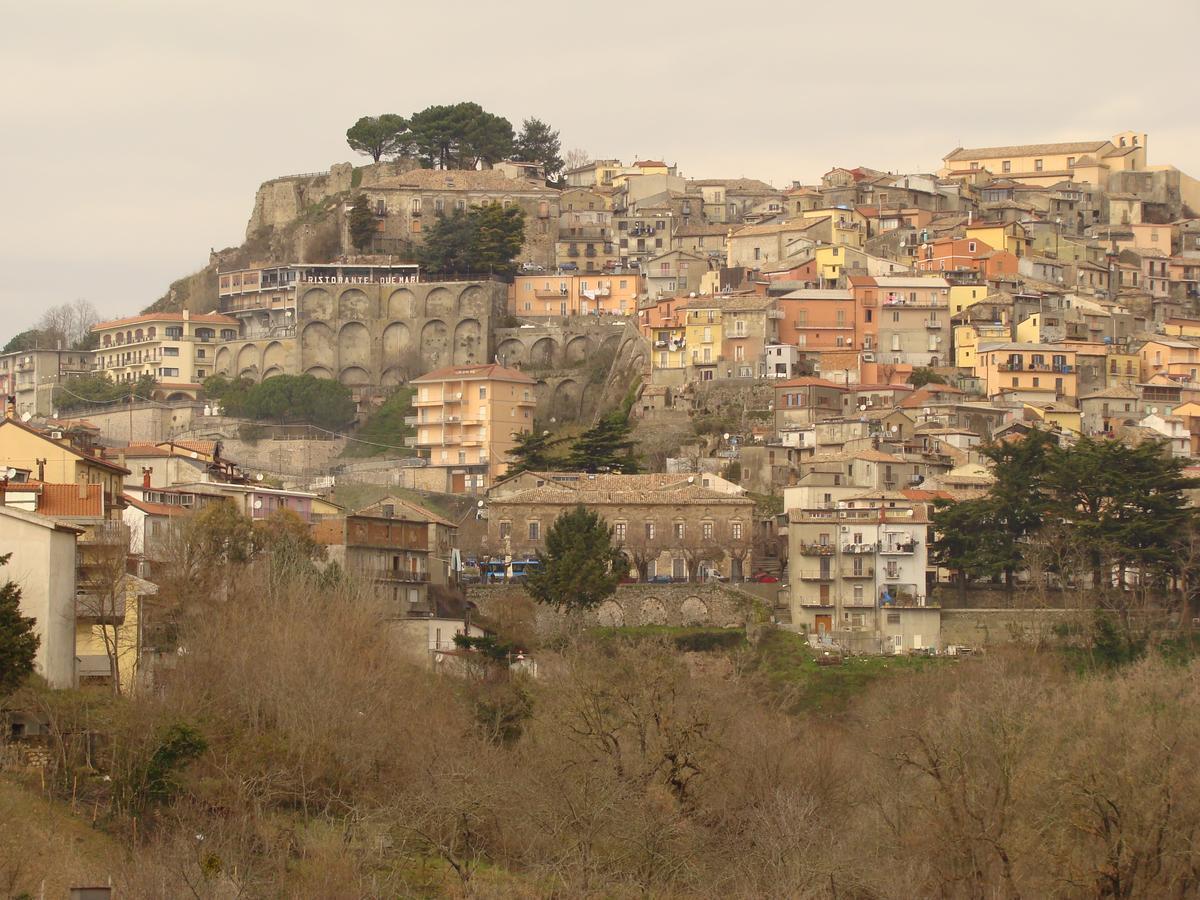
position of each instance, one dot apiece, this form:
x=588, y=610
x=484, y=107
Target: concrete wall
x=993, y=627
x=151, y=422
x=647, y=604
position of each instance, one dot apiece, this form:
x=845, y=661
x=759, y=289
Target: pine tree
x=18, y=642
x=362, y=224
x=538, y=143
x=532, y=453
x=580, y=566
x=606, y=447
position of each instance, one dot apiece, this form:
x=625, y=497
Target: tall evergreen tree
x=379, y=136
x=499, y=234
x=606, y=447
x=460, y=136
x=538, y=143
x=18, y=642
x=580, y=566
x=532, y=453
x=362, y=224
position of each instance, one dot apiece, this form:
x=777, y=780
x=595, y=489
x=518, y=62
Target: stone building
x=408, y=203
x=669, y=525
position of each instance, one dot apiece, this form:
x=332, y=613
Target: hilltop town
x=874, y=419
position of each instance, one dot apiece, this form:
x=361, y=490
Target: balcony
x=863, y=573
x=905, y=549
x=452, y=398
x=410, y=441
x=859, y=548
x=816, y=576
x=934, y=324
x=816, y=549
x=775, y=313
x=452, y=420
x=410, y=420
x=400, y=576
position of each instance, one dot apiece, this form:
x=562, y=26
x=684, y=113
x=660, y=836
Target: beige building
x=466, y=420
x=31, y=377
x=1048, y=164
x=669, y=526
x=177, y=348
x=43, y=565
x=574, y=294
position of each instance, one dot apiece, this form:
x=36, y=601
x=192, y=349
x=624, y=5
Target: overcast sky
x=135, y=132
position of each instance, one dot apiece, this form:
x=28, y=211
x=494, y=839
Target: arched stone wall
x=511, y=352
x=468, y=342
x=577, y=350
x=396, y=341
x=316, y=346
x=248, y=361
x=354, y=304
x=354, y=376
x=223, y=361
x=354, y=346
x=402, y=304
x=440, y=304
x=435, y=344
x=316, y=303
x=543, y=353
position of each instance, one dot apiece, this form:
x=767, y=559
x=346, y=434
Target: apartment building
x=903, y=320
x=574, y=294
x=585, y=240
x=857, y=569
x=33, y=377
x=466, y=420
x=399, y=547
x=1028, y=372
x=177, y=348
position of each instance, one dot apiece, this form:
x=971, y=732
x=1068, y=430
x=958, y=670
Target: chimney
x=10, y=406
x=83, y=488
x=147, y=471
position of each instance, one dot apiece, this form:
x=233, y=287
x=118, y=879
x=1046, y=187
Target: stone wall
x=149, y=423
x=280, y=202
x=994, y=627
x=646, y=604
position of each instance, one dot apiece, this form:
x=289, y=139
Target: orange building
x=816, y=320
x=574, y=294
x=948, y=255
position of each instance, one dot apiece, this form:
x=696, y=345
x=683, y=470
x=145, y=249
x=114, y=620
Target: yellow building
x=968, y=337
x=1010, y=236
x=1176, y=327
x=38, y=456
x=1041, y=373
x=177, y=348
x=848, y=226
x=1047, y=164
x=1121, y=368
x=703, y=334
x=964, y=296
x=580, y=294
x=467, y=417
x=1173, y=357
x=1029, y=331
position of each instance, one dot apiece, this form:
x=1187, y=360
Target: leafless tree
x=69, y=323
x=575, y=158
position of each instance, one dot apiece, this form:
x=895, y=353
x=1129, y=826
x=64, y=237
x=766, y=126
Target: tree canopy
x=85, y=390
x=483, y=239
x=533, y=452
x=580, y=566
x=923, y=375
x=539, y=143
x=286, y=399
x=460, y=136
x=379, y=136
x=18, y=641
x=606, y=447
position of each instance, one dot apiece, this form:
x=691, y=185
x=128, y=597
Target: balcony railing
x=865, y=572
x=933, y=323
x=400, y=575
x=816, y=576
x=859, y=548
x=816, y=549
x=898, y=549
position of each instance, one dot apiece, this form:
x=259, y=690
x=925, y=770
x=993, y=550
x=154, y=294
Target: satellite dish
x=927, y=411
x=691, y=479
x=480, y=504
x=893, y=428
x=726, y=435
x=862, y=407
x=258, y=477
x=10, y=474
x=1154, y=410
x=258, y=504
x=26, y=416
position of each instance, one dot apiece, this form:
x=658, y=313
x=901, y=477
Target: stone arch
x=394, y=376
x=354, y=376
x=472, y=301
x=178, y=395
x=396, y=341
x=248, y=360
x=275, y=356
x=543, y=352
x=316, y=304
x=354, y=304
x=578, y=349
x=653, y=612
x=354, y=345
x=318, y=372
x=440, y=302
x=223, y=361
x=435, y=343
x=693, y=611
x=468, y=342
x=610, y=614
x=511, y=352
x=316, y=345
x=402, y=304
x=272, y=372
x=612, y=344
x=565, y=401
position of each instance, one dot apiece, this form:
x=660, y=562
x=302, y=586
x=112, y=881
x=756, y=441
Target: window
x=169, y=373
x=1006, y=166
x=707, y=530
x=893, y=618
x=649, y=531
x=175, y=332
x=535, y=531
x=438, y=204
x=415, y=228
x=505, y=530
x=416, y=206
x=970, y=246
x=735, y=531
x=483, y=393
x=1037, y=165
x=460, y=205
x=619, y=531
x=200, y=353
x=170, y=351
x=1070, y=161
x=679, y=531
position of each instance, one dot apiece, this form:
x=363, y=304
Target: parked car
x=568, y=267
x=532, y=267
x=764, y=578
x=659, y=579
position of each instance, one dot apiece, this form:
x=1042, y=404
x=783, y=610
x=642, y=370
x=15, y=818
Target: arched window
x=139, y=335
x=151, y=332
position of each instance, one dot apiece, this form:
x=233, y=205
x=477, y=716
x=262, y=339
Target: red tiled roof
x=63, y=500
x=201, y=318
x=491, y=371
x=809, y=381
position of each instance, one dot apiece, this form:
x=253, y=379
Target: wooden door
x=458, y=483
x=824, y=624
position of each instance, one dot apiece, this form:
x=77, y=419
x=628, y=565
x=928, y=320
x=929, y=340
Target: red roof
x=809, y=381
x=650, y=164
x=491, y=371
x=201, y=318
x=64, y=500
x=155, y=509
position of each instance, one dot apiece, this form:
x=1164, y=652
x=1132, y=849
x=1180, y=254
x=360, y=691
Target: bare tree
x=575, y=158
x=69, y=324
